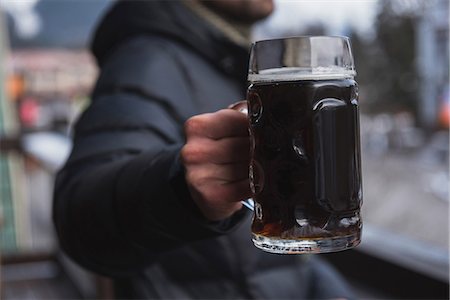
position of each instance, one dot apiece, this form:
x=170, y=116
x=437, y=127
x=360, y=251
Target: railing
x=392, y=266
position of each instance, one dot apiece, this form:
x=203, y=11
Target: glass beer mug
x=305, y=170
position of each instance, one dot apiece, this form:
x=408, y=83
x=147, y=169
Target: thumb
x=240, y=106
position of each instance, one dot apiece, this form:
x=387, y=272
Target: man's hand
x=216, y=158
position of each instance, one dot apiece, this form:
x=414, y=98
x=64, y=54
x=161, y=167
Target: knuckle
x=190, y=177
x=192, y=153
x=193, y=125
x=186, y=154
x=197, y=177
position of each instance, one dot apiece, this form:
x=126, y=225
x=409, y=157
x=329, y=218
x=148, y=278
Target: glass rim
x=343, y=37
x=279, y=71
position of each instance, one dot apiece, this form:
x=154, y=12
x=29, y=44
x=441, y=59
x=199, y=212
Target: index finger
x=221, y=124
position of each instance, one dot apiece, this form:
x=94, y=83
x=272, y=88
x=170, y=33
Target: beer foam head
x=298, y=73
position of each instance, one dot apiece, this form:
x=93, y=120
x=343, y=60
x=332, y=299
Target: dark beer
x=305, y=163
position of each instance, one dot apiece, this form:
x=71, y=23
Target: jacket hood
x=171, y=19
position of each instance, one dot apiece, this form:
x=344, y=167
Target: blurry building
x=54, y=80
x=14, y=207
x=54, y=71
x=42, y=89
x=432, y=45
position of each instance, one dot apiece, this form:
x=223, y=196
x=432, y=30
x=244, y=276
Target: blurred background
x=401, y=50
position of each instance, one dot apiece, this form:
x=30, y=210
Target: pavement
x=407, y=194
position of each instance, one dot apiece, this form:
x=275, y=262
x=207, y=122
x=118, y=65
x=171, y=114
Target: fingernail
x=240, y=106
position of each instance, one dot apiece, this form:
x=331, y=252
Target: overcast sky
x=27, y=22
x=337, y=15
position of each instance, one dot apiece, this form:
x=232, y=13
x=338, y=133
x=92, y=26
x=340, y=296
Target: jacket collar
x=173, y=20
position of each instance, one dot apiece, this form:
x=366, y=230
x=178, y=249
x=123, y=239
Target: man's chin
x=245, y=11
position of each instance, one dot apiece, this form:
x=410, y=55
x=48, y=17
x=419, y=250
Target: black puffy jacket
x=121, y=206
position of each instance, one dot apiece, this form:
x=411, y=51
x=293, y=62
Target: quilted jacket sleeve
x=121, y=199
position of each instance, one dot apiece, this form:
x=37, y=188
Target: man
x=151, y=192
